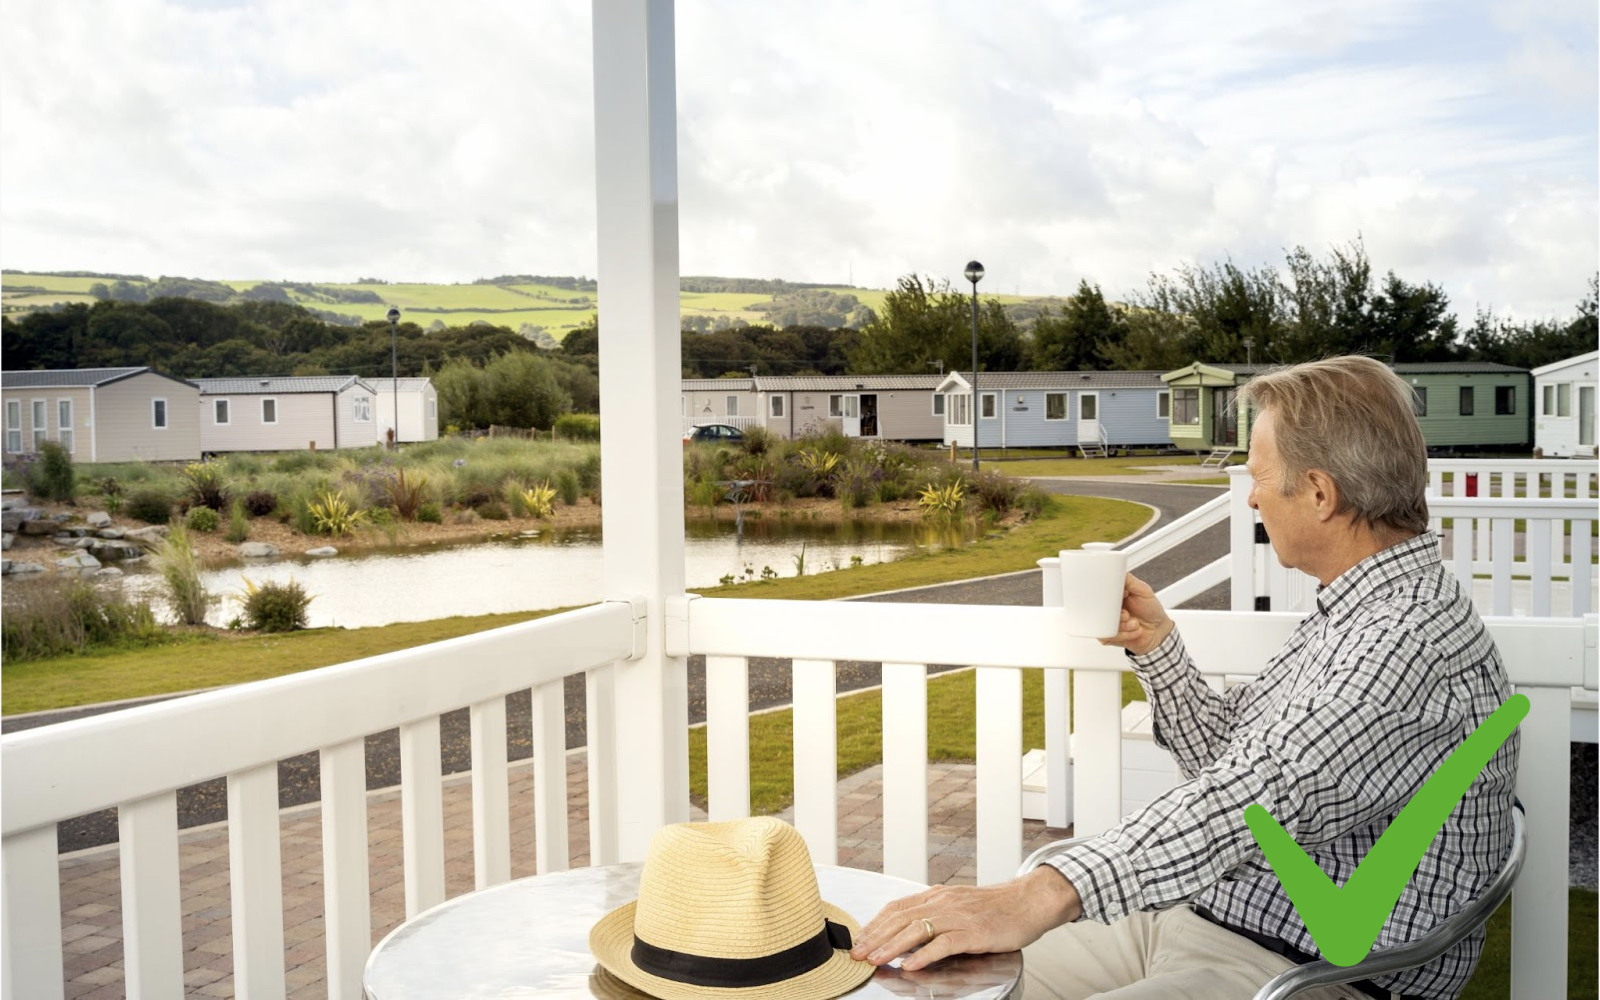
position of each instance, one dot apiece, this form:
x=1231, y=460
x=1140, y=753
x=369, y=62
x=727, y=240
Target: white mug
x=1091, y=589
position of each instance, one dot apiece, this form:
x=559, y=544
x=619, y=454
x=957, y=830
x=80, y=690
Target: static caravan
x=1091, y=411
x=417, y=406
x=102, y=414
x=287, y=414
x=1203, y=414
x=1564, y=425
x=887, y=407
x=1459, y=404
x=720, y=401
x=1471, y=404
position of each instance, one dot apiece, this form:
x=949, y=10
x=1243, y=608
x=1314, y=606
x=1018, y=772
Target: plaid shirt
x=1364, y=702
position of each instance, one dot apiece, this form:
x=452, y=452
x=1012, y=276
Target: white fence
x=135, y=760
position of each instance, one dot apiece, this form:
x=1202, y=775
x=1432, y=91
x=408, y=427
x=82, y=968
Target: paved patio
x=91, y=890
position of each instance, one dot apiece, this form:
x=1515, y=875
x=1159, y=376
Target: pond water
x=550, y=570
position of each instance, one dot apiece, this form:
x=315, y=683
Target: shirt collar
x=1400, y=560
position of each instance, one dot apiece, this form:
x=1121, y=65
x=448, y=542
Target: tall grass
x=179, y=564
x=65, y=614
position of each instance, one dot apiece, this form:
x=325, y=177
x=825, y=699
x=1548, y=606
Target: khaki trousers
x=1154, y=955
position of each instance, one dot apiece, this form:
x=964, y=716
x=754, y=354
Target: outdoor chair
x=1386, y=961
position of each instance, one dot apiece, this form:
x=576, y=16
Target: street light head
x=394, y=314
x=974, y=271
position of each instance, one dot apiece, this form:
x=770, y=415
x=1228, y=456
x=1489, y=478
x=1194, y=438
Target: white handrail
x=56, y=772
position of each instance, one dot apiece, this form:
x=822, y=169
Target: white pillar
x=640, y=454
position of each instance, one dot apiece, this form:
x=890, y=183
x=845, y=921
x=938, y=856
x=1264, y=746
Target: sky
x=818, y=140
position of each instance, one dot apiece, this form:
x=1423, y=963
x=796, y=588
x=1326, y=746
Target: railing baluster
x=346, y=888
x=152, y=912
x=600, y=697
x=816, y=755
x=1539, y=902
x=727, y=737
x=999, y=712
x=905, y=771
x=1057, y=720
x=550, y=778
x=422, y=814
x=1537, y=564
x=255, y=874
x=30, y=956
x=1581, y=575
x=491, y=805
x=1503, y=554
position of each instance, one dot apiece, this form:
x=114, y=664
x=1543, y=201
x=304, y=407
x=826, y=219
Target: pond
x=554, y=568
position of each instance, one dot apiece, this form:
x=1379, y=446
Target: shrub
x=494, y=510
x=260, y=503
x=51, y=477
x=567, y=486
x=994, y=492
x=65, y=614
x=333, y=515
x=758, y=440
x=111, y=494
x=476, y=495
x=589, y=471
x=202, y=519
x=150, y=506
x=205, y=485
x=430, y=513
x=238, y=523
x=578, y=426
x=538, y=501
x=274, y=607
x=180, y=569
x=856, y=483
x=942, y=501
x=407, y=495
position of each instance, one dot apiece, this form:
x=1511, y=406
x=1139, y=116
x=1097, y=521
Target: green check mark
x=1345, y=922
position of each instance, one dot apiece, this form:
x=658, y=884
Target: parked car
x=713, y=433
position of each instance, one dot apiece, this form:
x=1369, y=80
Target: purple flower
x=460, y=463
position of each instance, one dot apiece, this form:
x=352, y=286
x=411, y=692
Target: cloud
x=1054, y=141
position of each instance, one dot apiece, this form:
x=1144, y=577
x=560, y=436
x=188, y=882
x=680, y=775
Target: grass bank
x=201, y=659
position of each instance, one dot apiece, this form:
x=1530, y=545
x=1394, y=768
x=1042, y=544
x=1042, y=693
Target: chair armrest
x=1414, y=953
x=1047, y=852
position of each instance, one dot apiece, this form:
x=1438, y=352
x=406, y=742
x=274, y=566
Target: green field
x=557, y=310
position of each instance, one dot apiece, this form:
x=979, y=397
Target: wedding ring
x=927, y=927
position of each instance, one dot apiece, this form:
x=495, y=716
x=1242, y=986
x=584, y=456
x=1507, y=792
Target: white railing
x=743, y=423
x=1545, y=660
x=135, y=760
x=1545, y=568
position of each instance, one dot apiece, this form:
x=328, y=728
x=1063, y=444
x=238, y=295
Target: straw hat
x=730, y=909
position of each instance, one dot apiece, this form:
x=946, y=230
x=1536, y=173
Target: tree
x=1078, y=337
x=1329, y=304
x=1410, y=323
x=923, y=322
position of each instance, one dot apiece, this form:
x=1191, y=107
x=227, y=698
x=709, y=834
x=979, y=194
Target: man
x=1370, y=694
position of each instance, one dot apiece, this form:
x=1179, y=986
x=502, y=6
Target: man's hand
x=971, y=920
x=1144, y=621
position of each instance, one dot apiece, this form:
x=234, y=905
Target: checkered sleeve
x=1192, y=722
x=1344, y=753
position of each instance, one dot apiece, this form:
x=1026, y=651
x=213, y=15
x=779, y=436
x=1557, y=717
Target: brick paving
x=91, y=890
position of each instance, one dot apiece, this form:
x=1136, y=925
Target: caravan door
x=847, y=409
x=1088, y=418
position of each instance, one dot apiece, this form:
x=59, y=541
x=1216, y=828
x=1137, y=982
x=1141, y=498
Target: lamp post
x=394, y=371
x=1248, y=342
x=974, y=274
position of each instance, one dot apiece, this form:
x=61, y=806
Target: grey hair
x=1352, y=418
